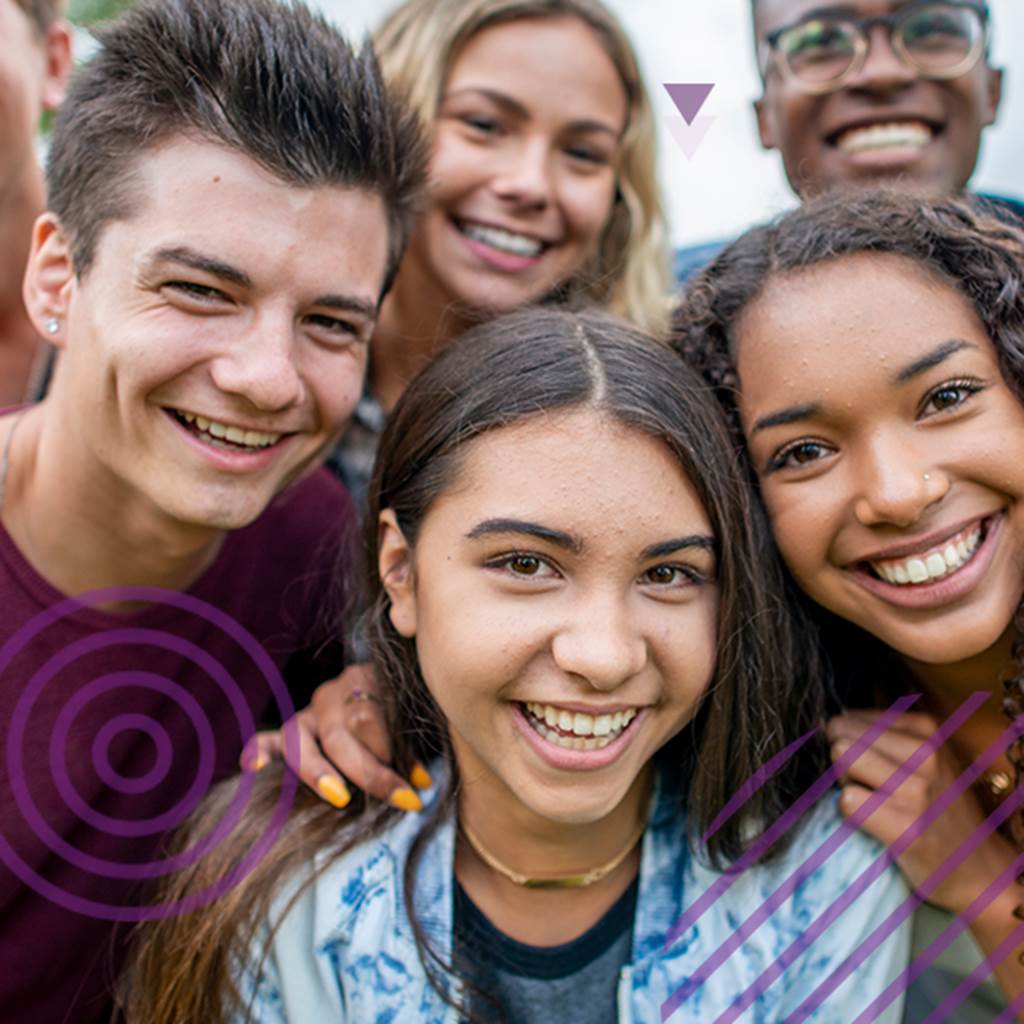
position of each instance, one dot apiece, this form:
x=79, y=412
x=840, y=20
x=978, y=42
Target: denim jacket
x=345, y=951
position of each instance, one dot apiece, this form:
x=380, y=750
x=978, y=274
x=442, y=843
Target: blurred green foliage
x=85, y=12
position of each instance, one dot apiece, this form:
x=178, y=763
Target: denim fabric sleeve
x=855, y=941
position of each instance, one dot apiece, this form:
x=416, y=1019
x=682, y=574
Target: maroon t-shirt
x=113, y=726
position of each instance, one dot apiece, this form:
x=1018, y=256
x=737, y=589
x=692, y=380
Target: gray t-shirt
x=574, y=983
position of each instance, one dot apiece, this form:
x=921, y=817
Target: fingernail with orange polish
x=405, y=800
x=334, y=791
x=420, y=777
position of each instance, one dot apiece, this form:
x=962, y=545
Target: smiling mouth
x=935, y=563
x=880, y=137
x=223, y=435
x=574, y=730
x=498, y=238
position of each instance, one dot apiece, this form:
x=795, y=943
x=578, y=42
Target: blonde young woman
x=543, y=182
x=543, y=189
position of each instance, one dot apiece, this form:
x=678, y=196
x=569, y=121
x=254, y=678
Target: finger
x=308, y=762
x=260, y=749
x=896, y=747
x=364, y=770
x=852, y=725
x=884, y=823
x=875, y=769
x=347, y=704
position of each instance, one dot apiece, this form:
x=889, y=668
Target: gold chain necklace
x=578, y=881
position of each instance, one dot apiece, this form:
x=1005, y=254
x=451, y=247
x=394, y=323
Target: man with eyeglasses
x=870, y=91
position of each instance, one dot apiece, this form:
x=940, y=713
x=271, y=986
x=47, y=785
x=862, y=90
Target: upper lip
x=874, y=117
x=228, y=421
x=480, y=222
x=923, y=543
x=584, y=709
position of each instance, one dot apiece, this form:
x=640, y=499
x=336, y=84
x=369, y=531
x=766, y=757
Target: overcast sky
x=732, y=183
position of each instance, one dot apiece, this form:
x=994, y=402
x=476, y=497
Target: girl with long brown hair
x=575, y=623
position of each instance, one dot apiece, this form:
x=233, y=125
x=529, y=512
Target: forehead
x=556, y=62
x=770, y=14
x=821, y=330
x=578, y=471
x=207, y=197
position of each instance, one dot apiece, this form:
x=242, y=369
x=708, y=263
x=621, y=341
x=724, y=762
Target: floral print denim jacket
x=345, y=952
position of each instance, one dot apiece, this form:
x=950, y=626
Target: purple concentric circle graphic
x=70, y=743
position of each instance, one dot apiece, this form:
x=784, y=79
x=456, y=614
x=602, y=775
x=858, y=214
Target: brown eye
x=525, y=565
x=663, y=574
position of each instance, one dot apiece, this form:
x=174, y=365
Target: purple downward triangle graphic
x=689, y=97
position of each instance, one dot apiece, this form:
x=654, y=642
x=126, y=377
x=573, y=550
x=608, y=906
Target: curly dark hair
x=966, y=242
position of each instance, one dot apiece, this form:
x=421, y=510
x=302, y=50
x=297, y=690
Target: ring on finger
x=360, y=694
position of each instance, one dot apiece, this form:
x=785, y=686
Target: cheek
x=588, y=206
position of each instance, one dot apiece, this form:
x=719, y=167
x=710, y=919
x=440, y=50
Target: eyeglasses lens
x=935, y=39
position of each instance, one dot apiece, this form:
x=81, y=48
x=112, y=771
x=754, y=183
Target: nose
x=882, y=70
x=260, y=365
x=896, y=486
x=600, y=642
x=524, y=175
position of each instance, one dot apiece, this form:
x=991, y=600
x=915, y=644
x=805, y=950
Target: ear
x=394, y=563
x=57, y=49
x=765, y=128
x=993, y=93
x=49, y=278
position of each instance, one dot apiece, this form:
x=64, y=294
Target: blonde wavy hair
x=629, y=273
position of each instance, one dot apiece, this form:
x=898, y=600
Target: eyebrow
x=199, y=261
x=189, y=257
x=792, y=414
x=668, y=547
x=491, y=527
x=515, y=108
x=938, y=355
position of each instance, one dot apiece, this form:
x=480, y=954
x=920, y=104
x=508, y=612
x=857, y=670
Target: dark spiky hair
x=270, y=80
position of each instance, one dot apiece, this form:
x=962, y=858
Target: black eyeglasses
x=822, y=51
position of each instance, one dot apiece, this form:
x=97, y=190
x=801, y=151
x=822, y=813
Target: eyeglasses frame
x=863, y=44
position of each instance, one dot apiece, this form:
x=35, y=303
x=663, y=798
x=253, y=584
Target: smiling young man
x=35, y=58
x=869, y=92
x=230, y=191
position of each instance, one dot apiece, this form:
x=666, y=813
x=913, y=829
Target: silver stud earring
x=52, y=326
x=927, y=476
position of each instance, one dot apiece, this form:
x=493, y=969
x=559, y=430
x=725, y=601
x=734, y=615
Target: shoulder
x=785, y=935
x=1009, y=210
x=688, y=261
x=342, y=947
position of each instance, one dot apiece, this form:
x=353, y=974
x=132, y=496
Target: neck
x=534, y=846
x=946, y=687
x=416, y=322
x=20, y=345
x=79, y=525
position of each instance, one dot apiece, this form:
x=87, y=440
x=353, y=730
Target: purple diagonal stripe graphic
x=790, y=817
x=984, y=969
x=819, y=856
x=754, y=783
x=913, y=831
x=689, y=97
x=1009, y=1015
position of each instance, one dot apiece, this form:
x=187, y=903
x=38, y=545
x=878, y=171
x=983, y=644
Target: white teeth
x=885, y=136
x=586, y=732
x=583, y=725
x=224, y=432
x=934, y=564
x=517, y=245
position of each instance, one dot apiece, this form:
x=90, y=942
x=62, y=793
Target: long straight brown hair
x=763, y=694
